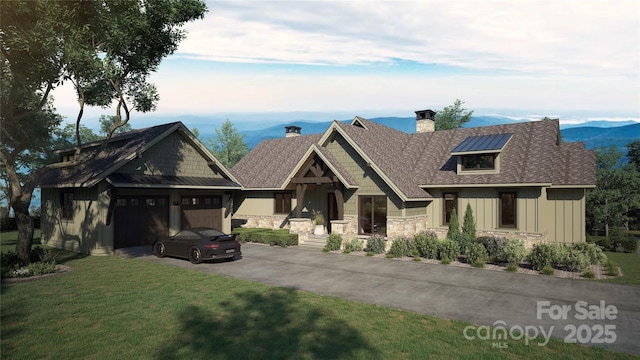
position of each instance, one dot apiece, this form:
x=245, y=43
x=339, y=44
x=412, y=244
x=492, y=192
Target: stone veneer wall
x=264, y=221
x=301, y=226
x=529, y=239
x=406, y=226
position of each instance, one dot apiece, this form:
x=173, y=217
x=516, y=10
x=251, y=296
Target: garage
x=201, y=211
x=140, y=220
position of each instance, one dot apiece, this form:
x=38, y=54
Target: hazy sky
x=390, y=57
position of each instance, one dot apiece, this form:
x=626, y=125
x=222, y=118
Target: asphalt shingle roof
x=531, y=156
x=119, y=149
x=269, y=163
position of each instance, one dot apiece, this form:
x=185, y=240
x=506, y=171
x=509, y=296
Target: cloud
x=545, y=56
x=556, y=37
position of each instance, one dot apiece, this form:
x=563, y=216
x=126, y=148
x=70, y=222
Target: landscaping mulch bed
x=62, y=269
x=599, y=271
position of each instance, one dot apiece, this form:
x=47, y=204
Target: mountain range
x=592, y=133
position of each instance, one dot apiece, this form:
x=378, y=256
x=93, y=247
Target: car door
x=183, y=241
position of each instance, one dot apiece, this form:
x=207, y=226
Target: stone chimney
x=425, y=121
x=291, y=131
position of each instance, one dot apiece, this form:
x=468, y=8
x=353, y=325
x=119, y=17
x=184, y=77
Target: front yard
x=116, y=307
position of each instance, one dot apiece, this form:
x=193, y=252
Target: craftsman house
x=146, y=184
x=365, y=178
x=520, y=180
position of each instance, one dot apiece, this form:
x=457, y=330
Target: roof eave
x=484, y=185
x=574, y=186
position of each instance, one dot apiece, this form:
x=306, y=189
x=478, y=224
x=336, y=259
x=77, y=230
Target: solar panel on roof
x=482, y=143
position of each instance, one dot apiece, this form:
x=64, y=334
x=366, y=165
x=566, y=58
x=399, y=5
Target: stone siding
x=406, y=226
x=301, y=226
x=346, y=227
x=263, y=221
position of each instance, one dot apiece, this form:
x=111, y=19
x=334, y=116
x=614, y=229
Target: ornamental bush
x=376, y=244
x=541, y=255
x=476, y=253
x=513, y=252
x=400, y=247
x=559, y=254
x=494, y=246
x=334, y=242
x=448, y=250
x=575, y=260
x=354, y=244
x=462, y=240
x=427, y=244
x=281, y=237
x=592, y=251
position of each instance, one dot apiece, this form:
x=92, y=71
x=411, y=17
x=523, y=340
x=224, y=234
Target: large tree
x=106, y=49
x=107, y=122
x=633, y=153
x=452, y=117
x=616, y=194
x=228, y=145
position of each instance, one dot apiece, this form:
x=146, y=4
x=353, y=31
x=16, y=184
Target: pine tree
x=454, y=226
x=469, y=224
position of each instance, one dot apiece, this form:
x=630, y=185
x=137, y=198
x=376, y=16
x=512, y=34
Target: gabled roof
x=412, y=163
x=121, y=149
x=269, y=164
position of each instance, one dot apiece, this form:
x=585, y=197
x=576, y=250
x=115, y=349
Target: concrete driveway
x=536, y=304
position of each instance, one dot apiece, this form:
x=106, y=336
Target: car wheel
x=195, y=256
x=159, y=250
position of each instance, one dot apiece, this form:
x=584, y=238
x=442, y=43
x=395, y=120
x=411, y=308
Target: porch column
x=300, y=190
x=339, y=200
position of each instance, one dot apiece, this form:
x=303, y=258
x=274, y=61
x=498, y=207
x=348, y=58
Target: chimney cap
x=425, y=114
x=292, y=128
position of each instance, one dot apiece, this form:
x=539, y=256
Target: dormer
x=67, y=156
x=480, y=154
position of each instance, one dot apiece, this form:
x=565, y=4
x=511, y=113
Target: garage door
x=201, y=211
x=140, y=220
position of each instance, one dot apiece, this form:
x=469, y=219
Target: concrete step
x=314, y=241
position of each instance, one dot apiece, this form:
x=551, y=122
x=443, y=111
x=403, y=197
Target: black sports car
x=198, y=244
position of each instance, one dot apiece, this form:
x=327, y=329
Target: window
x=190, y=201
x=372, y=217
x=508, y=205
x=66, y=205
x=282, y=203
x=479, y=162
x=450, y=202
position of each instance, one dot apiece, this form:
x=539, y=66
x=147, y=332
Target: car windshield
x=210, y=232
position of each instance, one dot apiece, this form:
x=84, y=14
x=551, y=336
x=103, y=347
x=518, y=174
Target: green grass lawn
x=116, y=307
x=630, y=265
